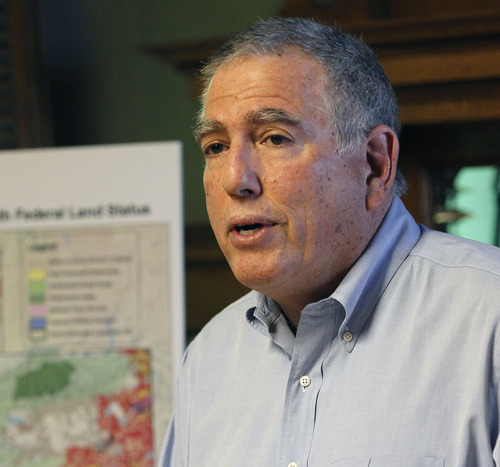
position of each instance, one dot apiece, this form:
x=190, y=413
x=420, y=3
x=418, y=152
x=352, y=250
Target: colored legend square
x=37, y=274
x=38, y=323
x=38, y=334
x=38, y=298
x=37, y=287
x=37, y=310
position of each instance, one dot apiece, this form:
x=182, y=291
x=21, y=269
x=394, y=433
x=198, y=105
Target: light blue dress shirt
x=399, y=367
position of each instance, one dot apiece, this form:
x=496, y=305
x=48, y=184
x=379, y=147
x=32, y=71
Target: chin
x=261, y=280
x=251, y=277
x=250, y=281
x=261, y=271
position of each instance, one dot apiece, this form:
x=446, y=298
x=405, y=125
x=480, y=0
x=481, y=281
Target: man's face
x=288, y=211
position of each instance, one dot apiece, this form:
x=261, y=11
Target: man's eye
x=278, y=140
x=213, y=149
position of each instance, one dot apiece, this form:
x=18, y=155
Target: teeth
x=249, y=229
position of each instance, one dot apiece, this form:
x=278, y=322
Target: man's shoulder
x=450, y=251
x=229, y=321
x=215, y=344
x=234, y=313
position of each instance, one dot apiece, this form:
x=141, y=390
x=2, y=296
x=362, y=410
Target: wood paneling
x=351, y=12
x=24, y=111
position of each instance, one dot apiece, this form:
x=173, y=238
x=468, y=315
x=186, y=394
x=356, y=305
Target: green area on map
x=50, y=378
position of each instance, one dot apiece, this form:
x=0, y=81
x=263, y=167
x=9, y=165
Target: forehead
x=292, y=81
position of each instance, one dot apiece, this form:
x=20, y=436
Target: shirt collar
x=267, y=318
x=364, y=284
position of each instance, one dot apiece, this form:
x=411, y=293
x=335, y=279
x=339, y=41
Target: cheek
x=330, y=201
x=207, y=182
x=212, y=200
x=305, y=199
x=290, y=184
x=210, y=187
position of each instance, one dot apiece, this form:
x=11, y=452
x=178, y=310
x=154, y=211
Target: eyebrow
x=270, y=115
x=207, y=126
x=255, y=117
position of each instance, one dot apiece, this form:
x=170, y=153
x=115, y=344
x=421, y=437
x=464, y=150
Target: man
x=367, y=340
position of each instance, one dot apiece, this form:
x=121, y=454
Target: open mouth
x=248, y=229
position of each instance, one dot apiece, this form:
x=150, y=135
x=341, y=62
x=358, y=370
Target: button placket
x=312, y=343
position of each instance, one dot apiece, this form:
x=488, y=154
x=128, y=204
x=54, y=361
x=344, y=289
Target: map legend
x=37, y=311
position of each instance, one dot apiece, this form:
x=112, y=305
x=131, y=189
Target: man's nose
x=242, y=171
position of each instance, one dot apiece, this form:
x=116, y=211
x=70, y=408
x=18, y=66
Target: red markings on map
x=126, y=423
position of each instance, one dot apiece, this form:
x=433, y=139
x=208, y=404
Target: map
x=91, y=303
x=79, y=410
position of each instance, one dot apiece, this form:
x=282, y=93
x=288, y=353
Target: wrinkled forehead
x=255, y=56
x=292, y=77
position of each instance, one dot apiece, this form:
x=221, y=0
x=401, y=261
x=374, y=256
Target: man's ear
x=382, y=150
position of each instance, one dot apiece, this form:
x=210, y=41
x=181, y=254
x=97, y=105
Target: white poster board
x=91, y=302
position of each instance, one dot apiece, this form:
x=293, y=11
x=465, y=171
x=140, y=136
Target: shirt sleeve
x=495, y=430
x=174, y=452
x=167, y=456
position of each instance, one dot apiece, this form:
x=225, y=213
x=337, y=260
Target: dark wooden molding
x=24, y=107
x=443, y=69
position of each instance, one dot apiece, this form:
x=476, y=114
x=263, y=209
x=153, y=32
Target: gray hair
x=360, y=95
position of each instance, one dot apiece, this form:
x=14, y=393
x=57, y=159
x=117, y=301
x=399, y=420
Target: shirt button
x=292, y=464
x=304, y=382
x=347, y=336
